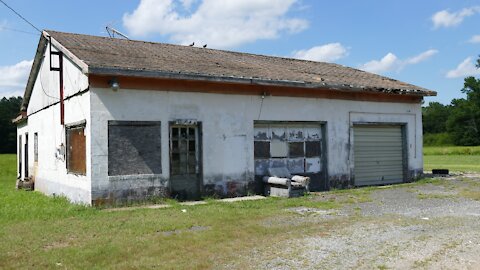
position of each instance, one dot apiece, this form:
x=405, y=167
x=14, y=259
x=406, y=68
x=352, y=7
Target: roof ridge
x=198, y=48
x=130, y=54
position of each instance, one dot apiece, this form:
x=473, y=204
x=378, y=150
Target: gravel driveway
x=419, y=226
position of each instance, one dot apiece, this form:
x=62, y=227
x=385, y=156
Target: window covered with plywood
x=296, y=146
x=134, y=147
x=76, y=150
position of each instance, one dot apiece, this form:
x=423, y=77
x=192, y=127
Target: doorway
x=26, y=157
x=185, y=161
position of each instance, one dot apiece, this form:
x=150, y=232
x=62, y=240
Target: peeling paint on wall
x=262, y=133
x=278, y=133
x=221, y=186
x=129, y=188
x=313, y=165
x=261, y=166
x=296, y=165
x=295, y=133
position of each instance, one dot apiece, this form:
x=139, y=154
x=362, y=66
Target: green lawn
x=454, y=158
x=451, y=150
x=41, y=232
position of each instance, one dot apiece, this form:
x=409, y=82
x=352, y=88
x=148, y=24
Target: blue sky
x=430, y=43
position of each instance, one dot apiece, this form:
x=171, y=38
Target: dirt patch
x=418, y=226
x=60, y=244
x=311, y=211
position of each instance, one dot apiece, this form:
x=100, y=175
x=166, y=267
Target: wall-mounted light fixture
x=114, y=84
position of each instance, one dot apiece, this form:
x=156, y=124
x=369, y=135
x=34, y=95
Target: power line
x=18, y=14
x=17, y=30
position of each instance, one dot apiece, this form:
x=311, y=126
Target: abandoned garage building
x=107, y=120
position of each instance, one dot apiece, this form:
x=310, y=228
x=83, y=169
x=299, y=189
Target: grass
x=356, y=195
x=428, y=196
x=454, y=158
x=37, y=231
x=457, y=163
x=451, y=150
x=42, y=232
x=471, y=190
x=470, y=194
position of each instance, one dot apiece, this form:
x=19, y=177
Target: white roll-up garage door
x=378, y=155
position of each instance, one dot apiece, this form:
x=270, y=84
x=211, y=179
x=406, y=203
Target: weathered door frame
x=198, y=153
x=25, y=154
x=20, y=156
x=404, y=131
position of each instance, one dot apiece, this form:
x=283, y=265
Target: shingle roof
x=102, y=53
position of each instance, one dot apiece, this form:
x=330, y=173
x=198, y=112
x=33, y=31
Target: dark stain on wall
x=221, y=186
x=340, y=181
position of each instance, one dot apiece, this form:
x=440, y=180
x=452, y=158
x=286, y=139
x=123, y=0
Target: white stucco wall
x=51, y=176
x=46, y=90
x=228, y=126
x=50, y=173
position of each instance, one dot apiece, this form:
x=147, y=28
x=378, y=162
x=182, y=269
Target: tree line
x=457, y=123
x=9, y=109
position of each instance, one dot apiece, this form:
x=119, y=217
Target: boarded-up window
x=261, y=149
x=35, y=147
x=134, y=147
x=296, y=149
x=297, y=146
x=76, y=150
x=313, y=148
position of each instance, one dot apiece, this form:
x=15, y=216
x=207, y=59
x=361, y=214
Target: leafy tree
x=435, y=116
x=464, y=121
x=463, y=124
x=457, y=123
x=9, y=108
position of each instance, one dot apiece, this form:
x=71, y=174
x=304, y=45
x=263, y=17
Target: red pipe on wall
x=62, y=105
x=60, y=70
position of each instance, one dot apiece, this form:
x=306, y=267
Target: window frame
x=69, y=128
x=133, y=124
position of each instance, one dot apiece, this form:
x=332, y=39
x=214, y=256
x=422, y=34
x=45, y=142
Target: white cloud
x=475, y=39
x=464, y=69
x=391, y=62
x=445, y=18
x=14, y=78
x=387, y=63
x=221, y=24
x=420, y=58
x=325, y=53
